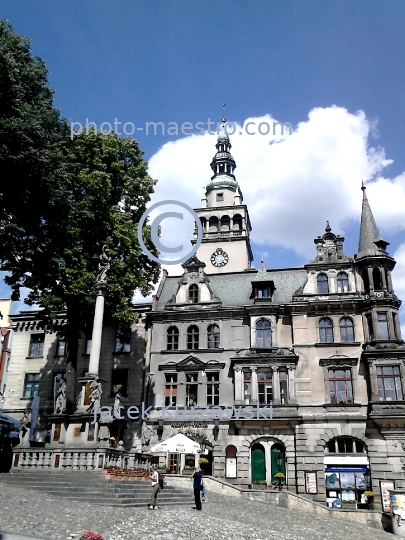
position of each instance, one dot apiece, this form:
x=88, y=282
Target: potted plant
x=279, y=477
x=202, y=462
x=370, y=498
x=188, y=470
x=161, y=469
x=88, y=535
x=259, y=484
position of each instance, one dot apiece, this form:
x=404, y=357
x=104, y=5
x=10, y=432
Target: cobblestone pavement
x=26, y=511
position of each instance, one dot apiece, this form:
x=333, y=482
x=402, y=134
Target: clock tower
x=225, y=245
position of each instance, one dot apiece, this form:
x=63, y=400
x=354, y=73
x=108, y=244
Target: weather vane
x=223, y=115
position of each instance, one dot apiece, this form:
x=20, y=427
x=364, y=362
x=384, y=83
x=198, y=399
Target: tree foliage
x=70, y=198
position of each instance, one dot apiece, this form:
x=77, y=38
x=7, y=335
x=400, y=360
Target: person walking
x=197, y=480
x=154, y=477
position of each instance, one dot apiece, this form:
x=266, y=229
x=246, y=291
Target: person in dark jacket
x=197, y=479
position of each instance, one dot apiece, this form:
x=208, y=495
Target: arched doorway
x=258, y=463
x=277, y=461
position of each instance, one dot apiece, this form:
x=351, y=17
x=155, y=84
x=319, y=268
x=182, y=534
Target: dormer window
x=262, y=292
x=322, y=284
x=193, y=294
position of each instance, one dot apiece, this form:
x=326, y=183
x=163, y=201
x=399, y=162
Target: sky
x=334, y=70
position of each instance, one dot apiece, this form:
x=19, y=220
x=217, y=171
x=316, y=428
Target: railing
x=73, y=460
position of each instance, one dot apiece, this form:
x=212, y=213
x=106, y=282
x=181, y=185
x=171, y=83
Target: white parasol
x=179, y=444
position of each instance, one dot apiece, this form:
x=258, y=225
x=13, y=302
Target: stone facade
x=315, y=352
x=296, y=370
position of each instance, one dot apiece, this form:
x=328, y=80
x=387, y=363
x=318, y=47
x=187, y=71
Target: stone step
x=95, y=489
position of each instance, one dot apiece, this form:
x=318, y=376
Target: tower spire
x=370, y=241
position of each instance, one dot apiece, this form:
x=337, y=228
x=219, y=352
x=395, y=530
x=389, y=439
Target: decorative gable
x=194, y=290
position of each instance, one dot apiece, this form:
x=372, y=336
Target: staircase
x=92, y=488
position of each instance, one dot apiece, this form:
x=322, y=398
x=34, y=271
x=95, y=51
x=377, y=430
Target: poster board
x=385, y=488
x=311, y=485
x=230, y=468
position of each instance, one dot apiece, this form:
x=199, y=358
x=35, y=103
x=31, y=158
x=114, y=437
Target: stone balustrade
x=71, y=459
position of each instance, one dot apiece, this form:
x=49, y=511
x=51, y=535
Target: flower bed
x=114, y=473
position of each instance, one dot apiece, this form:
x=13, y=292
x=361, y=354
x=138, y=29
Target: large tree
x=76, y=196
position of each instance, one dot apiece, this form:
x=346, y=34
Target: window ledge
x=338, y=344
x=336, y=405
x=187, y=351
x=33, y=357
x=26, y=398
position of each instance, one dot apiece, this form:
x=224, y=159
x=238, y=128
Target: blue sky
x=177, y=61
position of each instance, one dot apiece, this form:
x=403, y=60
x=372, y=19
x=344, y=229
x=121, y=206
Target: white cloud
x=291, y=184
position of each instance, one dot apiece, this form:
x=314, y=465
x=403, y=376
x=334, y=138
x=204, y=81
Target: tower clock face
x=219, y=258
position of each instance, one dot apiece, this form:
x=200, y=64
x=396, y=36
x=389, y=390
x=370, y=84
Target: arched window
x=203, y=223
x=377, y=279
x=345, y=445
x=346, y=329
x=213, y=336
x=192, y=337
x=325, y=330
x=263, y=333
x=193, y=293
x=172, y=338
x=322, y=283
x=213, y=224
x=225, y=223
x=342, y=282
x=237, y=222
x=366, y=281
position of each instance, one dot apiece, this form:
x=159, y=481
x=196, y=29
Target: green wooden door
x=258, y=464
x=275, y=451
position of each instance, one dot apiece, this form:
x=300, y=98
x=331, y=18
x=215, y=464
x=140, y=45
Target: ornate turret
x=370, y=241
x=225, y=220
x=223, y=165
x=374, y=264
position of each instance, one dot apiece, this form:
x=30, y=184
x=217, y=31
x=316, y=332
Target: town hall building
x=298, y=371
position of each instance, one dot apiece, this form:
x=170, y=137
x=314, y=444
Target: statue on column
x=25, y=426
x=95, y=395
x=103, y=266
x=60, y=401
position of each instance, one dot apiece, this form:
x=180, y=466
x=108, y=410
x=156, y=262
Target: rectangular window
x=212, y=388
x=88, y=345
x=170, y=389
x=123, y=341
x=37, y=345
x=31, y=385
x=220, y=197
x=119, y=377
x=382, y=322
x=262, y=292
x=62, y=347
x=247, y=384
x=265, y=387
x=340, y=386
x=57, y=379
x=283, y=387
x=389, y=383
x=191, y=389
